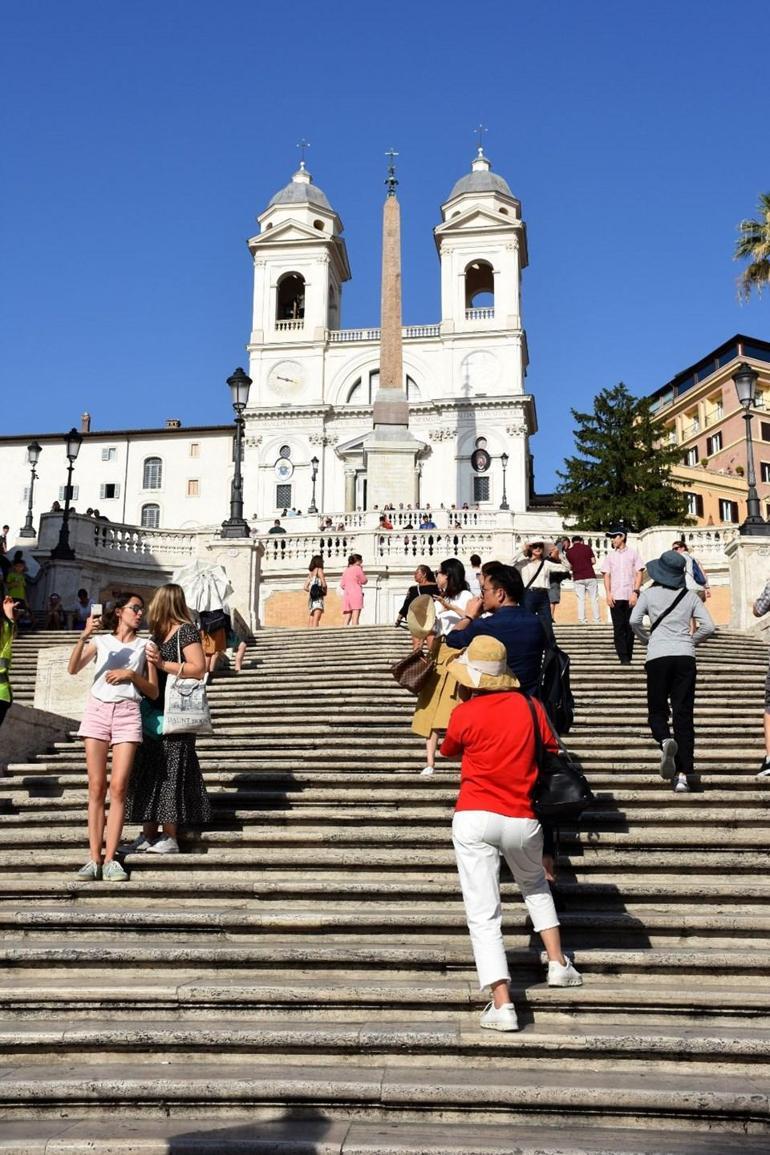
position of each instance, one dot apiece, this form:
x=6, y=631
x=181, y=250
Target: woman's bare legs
x=431, y=745
x=315, y=618
x=122, y=765
x=346, y=616
x=96, y=762
x=356, y=614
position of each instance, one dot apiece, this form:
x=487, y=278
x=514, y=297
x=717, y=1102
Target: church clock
x=479, y=369
x=286, y=378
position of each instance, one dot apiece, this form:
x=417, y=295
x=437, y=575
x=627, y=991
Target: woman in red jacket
x=493, y=815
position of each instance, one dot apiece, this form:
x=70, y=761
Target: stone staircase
x=300, y=979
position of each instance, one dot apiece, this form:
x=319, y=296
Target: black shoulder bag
x=654, y=625
x=534, y=575
x=561, y=792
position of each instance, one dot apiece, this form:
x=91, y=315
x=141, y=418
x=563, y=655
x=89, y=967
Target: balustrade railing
x=485, y=314
x=293, y=325
x=408, y=332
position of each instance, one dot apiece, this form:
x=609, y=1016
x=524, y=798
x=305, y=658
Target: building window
x=764, y=428
x=691, y=456
x=764, y=469
x=150, y=516
x=193, y=487
x=285, y=451
x=728, y=511
x=283, y=497
x=153, y=473
x=713, y=443
x=694, y=504
x=480, y=489
x=109, y=491
x=195, y=449
x=73, y=496
x=110, y=453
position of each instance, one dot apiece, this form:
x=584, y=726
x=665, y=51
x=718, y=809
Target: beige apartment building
x=700, y=411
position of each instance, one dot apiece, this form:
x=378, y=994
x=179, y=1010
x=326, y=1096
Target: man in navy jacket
x=520, y=631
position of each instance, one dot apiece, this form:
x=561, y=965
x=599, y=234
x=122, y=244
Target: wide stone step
x=454, y=1038
x=321, y=1135
x=469, y=1093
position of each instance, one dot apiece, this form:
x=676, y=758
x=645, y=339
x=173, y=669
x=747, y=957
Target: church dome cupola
x=481, y=179
x=301, y=191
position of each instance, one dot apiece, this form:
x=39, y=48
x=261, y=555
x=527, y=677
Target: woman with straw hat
x=438, y=696
x=493, y=732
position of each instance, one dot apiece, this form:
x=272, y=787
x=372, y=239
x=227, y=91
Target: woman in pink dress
x=351, y=583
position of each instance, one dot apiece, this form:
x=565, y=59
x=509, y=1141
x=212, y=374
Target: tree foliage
x=621, y=472
x=753, y=245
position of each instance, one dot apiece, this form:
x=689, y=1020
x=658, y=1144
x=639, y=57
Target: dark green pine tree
x=622, y=470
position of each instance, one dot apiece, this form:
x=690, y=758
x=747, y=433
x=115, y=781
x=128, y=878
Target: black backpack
x=561, y=792
x=554, y=689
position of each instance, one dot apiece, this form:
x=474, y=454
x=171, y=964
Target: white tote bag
x=186, y=707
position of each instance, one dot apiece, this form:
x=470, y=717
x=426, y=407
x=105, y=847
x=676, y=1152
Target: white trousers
x=590, y=586
x=479, y=838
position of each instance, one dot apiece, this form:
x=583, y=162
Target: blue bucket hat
x=668, y=570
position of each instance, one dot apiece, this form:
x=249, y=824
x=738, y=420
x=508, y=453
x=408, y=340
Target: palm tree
x=754, y=243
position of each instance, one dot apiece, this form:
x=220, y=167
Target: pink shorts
x=112, y=722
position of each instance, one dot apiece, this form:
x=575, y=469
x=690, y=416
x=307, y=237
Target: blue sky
x=142, y=139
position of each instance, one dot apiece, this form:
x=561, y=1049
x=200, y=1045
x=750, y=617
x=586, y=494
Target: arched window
x=334, y=310
x=150, y=516
x=153, y=473
x=479, y=285
x=290, y=298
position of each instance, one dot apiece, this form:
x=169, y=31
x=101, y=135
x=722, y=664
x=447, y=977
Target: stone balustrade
x=408, y=332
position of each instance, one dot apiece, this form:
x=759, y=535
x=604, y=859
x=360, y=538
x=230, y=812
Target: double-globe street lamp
x=236, y=525
x=745, y=379
x=63, y=550
x=33, y=456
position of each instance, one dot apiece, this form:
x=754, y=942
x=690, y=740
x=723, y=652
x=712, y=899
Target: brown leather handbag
x=413, y=671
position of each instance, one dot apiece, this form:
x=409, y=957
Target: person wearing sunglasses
x=112, y=719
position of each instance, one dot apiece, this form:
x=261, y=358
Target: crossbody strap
x=534, y=575
x=654, y=625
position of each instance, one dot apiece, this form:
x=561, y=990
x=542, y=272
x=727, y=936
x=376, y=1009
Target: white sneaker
x=138, y=846
x=426, y=770
x=165, y=845
x=765, y=771
x=669, y=748
x=499, y=1018
x=563, y=976
x=681, y=786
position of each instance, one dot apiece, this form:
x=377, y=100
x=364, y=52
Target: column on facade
x=350, y=491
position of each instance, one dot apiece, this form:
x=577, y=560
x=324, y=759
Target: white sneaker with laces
x=426, y=770
x=165, y=845
x=499, y=1018
x=681, y=786
x=765, y=771
x=563, y=976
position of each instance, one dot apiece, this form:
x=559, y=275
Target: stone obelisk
x=391, y=450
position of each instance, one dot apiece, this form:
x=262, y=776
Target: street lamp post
x=63, y=550
x=314, y=466
x=33, y=456
x=236, y=525
x=745, y=379
x=504, y=462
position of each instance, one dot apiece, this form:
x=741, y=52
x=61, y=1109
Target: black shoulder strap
x=534, y=575
x=668, y=610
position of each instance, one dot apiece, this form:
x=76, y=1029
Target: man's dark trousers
x=672, y=679
x=623, y=635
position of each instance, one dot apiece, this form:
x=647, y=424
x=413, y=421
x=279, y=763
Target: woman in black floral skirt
x=166, y=788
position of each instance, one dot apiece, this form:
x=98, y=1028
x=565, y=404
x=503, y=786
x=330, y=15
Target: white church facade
x=314, y=384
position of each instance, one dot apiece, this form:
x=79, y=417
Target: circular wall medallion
x=480, y=460
x=283, y=469
x=479, y=369
x=286, y=378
